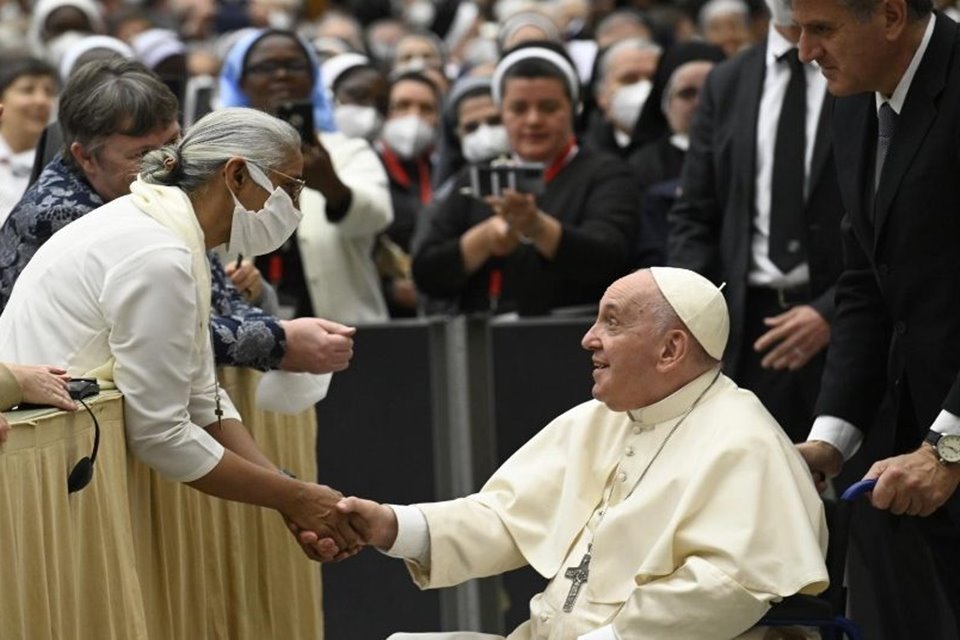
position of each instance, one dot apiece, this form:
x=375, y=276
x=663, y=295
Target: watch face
x=949, y=448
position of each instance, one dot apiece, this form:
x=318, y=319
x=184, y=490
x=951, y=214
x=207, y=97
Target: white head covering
x=90, y=43
x=538, y=53
x=42, y=10
x=153, y=46
x=334, y=66
x=699, y=304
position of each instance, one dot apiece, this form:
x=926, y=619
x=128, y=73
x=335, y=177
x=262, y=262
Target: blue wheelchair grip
x=857, y=489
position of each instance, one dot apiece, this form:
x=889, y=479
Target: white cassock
x=725, y=521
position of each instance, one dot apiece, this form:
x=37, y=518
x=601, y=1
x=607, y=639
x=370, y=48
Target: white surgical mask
x=358, y=121
x=255, y=233
x=408, y=136
x=627, y=103
x=485, y=143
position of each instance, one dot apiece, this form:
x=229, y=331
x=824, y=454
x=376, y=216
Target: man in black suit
x=760, y=210
x=897, y=330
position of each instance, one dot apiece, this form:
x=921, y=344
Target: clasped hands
x=913, y=484
x=340, y=527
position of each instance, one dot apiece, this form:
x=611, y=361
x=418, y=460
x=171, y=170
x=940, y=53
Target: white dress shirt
x=775, y=80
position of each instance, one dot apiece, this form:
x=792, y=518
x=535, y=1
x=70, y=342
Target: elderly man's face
x=853, y=54
x=114, y=164
x=626, y=344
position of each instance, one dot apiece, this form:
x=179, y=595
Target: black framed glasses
x=293, y=66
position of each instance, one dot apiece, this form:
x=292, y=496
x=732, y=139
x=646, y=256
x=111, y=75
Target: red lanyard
x=563, y=159
x=397, y=171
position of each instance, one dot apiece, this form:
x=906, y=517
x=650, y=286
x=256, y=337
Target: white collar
x=777, y=45
x=680, y=141
x=678, y=402
x=900, y=93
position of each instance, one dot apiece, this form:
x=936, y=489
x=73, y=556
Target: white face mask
x=627, y=103
x=408, y=136
x=357, y=121
x=486, y=143
x=255, y=233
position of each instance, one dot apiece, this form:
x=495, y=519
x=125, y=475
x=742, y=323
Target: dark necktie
x=886, y=126
x=786, y=202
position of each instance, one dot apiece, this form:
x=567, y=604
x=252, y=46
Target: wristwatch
x=946, y=444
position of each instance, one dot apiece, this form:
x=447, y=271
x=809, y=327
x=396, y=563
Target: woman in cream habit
x=123, y=294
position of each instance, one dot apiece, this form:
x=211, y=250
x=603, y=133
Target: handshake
x=329, y=527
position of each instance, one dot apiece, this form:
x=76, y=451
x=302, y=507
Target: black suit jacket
x=711, y=223
x=898, y=317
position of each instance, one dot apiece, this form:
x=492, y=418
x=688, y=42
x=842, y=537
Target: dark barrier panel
x=539, y=370
x=412, y=420
x=376, y=440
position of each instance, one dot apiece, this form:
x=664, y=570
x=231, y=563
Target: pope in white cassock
x=672, y=506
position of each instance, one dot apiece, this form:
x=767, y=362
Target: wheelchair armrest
x=799, y=606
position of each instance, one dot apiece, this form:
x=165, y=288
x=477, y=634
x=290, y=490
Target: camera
x=492, y=179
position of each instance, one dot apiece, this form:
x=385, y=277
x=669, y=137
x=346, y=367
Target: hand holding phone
x=299, y=114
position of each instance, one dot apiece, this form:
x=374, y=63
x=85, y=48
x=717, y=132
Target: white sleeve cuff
x=946, y=423
x=603, y=633
x=838, y=432
x=413, y=535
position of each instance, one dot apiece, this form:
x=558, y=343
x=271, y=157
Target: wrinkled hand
x=519, y=211
x=246, y=278
x=43, y=384
x=316, y=345
x=381, y=520
x=795, y=336
x=4, y=425
x=324, y=533
x=915, y=484
x=825, y=461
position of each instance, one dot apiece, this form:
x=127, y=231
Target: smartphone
x=493, y=179
x=300, y=115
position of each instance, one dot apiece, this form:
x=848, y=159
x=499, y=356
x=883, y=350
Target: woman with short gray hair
x=124, y=294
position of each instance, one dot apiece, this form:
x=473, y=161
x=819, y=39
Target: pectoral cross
x=578, y=575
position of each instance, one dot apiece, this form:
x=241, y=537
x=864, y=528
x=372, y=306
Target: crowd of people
x=759, y=188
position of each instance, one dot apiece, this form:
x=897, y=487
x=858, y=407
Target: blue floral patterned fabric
x=243, y=335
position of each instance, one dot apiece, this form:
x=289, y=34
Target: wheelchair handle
x=857, y=489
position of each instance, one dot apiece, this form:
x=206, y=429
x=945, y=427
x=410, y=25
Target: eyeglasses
x=293, y=66
x=294, y=186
